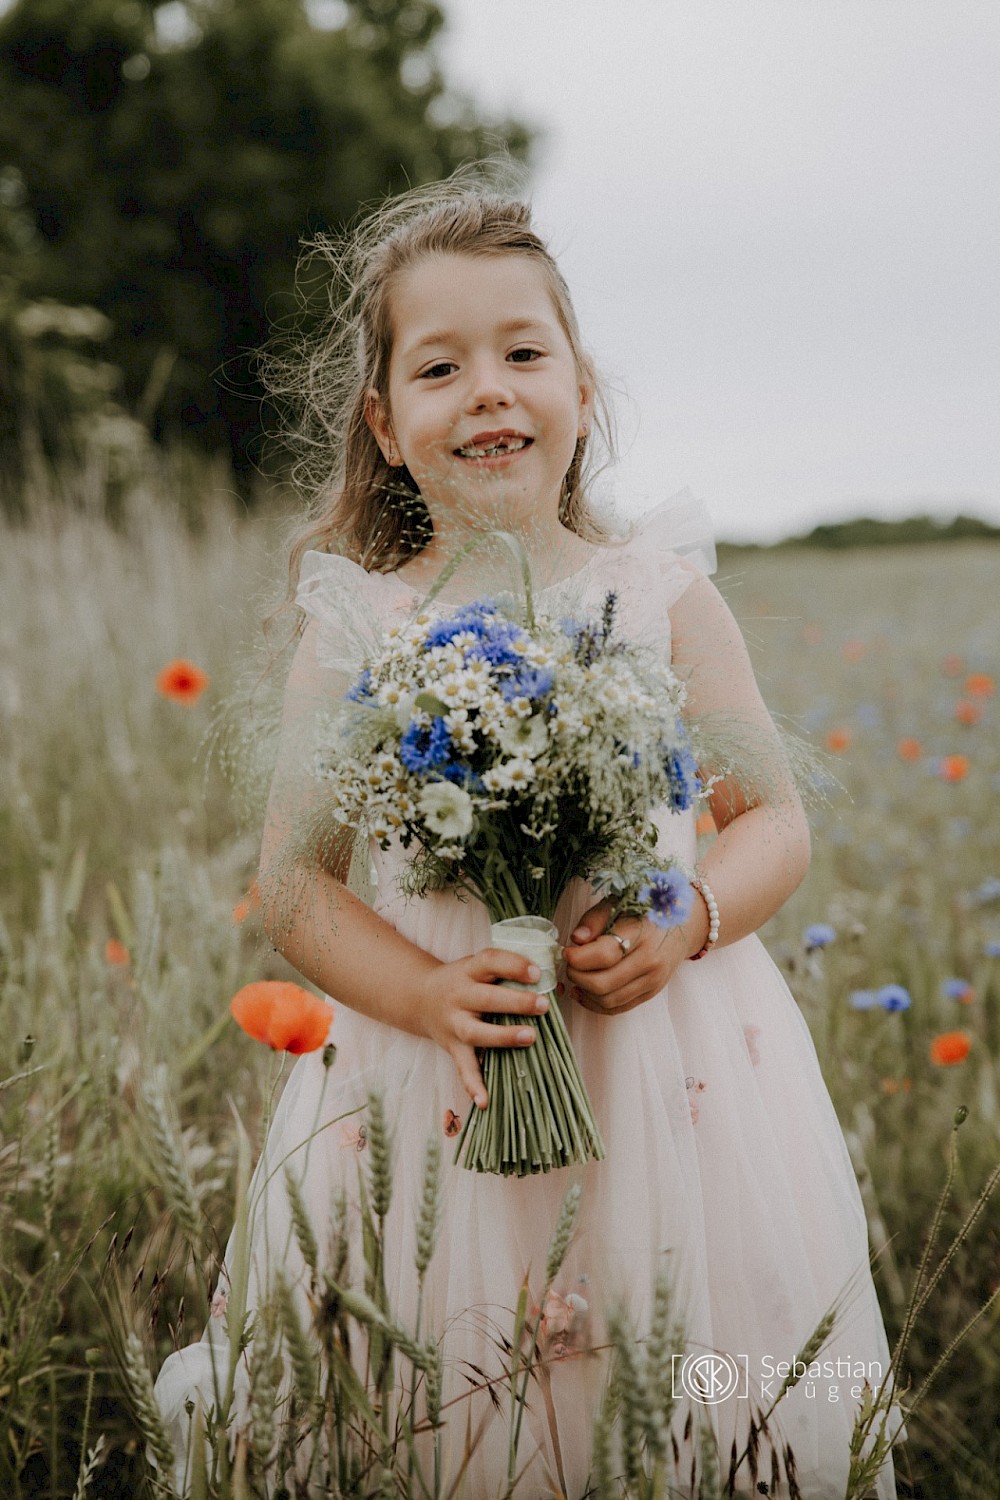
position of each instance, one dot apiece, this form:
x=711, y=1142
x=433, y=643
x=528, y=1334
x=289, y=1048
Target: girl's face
x=486, y=403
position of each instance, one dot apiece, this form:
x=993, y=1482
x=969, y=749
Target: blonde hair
x=339, y=463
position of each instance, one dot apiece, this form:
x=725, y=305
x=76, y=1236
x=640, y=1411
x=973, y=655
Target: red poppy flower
x=181, y=682
x=116, y=954
x=452, y=1122
x=980, y=685
x=950, y=1047
x=953, y=767
x=838, y=740
x=967, y=712
x=909, y=749
x=283, y=1016
x=854, y=650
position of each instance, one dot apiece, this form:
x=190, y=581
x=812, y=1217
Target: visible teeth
x=506, y=445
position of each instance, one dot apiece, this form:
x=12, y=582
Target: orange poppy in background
x=250, y=902
x=181, y=682
x=950, y=1047
x=705, y=824
x=838, y=740
x=909, y=749
x=116, y=954
x=980, y=685
x=953, y=767
x=967, y=712
x=854, y=650
x=282, y=1015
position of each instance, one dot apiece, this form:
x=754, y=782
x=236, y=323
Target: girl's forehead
x=459, y=295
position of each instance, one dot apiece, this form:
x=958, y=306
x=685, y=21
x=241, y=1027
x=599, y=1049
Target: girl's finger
x=496, y=963
x=592, y=922
x=617, y=1002
x=603, y=953
x=500, y=1000
x=470, y=1076
x=482, y=1034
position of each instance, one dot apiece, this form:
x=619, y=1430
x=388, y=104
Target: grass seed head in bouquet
x=509, y=750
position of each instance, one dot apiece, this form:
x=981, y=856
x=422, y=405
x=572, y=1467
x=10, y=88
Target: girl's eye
x=524, y=356
x=438, y=371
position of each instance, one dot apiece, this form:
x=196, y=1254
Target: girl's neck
x=552, y=553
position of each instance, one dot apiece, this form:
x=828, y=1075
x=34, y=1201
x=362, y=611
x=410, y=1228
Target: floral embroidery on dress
x=354, y=1137
x=751, y=1033
x=452, y=1122
x=694, y=1087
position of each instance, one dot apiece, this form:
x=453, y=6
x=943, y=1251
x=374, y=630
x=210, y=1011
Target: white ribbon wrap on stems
x=534, y=938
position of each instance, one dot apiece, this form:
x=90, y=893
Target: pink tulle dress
x=725, y=1165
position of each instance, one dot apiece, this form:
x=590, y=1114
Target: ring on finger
x=622, y=942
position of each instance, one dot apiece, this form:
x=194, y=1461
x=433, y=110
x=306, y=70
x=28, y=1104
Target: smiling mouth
x=495, y=449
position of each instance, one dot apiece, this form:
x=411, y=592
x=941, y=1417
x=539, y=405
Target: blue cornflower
x=864, y=999
x=818, y=935
x=496, y=645
x=668, y=895
x=462, y=775
x=423, y=749
x=991, y=948
x=988, y=891
x=681, y=767
x=361, y=689
x=529, y=682
x=955, y=989
x=894, y=997
x=478, y=617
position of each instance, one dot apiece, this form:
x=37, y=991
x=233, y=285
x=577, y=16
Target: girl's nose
x=490, y=388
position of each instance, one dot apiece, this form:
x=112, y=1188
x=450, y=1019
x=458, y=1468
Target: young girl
x=459, y=399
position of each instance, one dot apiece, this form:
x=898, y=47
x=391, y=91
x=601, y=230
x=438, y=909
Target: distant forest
x=866, y=532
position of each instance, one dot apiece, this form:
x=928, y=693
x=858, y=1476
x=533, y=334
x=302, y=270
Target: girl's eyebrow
x=451, y=336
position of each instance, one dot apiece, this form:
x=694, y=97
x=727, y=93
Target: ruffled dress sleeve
x=348, y=604
x=677, y=538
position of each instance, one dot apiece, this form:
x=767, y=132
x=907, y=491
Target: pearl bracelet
x=701, y=884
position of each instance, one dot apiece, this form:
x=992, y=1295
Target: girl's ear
x=586, y=410
x=381, y=428
x=586, y=388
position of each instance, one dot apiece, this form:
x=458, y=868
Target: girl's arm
x=762, y=852
x=337, y=942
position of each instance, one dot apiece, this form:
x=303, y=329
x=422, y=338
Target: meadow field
x=128, y=841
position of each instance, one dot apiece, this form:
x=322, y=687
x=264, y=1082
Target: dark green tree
x=173, y=155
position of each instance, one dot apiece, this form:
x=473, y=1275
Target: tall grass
x=119, y=1158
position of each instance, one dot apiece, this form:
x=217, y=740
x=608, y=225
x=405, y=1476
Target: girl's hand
x=452, y=997
x=610, y=982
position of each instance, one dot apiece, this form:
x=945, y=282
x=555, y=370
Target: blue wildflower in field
x=956, y=989
x=818, y=935
x=991, y=948
x=669, y=896
x=894, y=997
x=987, y=891
x=863, y=999
x=868, y=715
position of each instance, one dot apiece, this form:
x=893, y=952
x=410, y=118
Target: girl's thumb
x=581, y=934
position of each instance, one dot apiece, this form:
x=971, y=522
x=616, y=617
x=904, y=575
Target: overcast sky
x=780, y=220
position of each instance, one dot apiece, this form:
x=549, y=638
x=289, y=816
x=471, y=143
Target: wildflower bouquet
x=514, y=756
